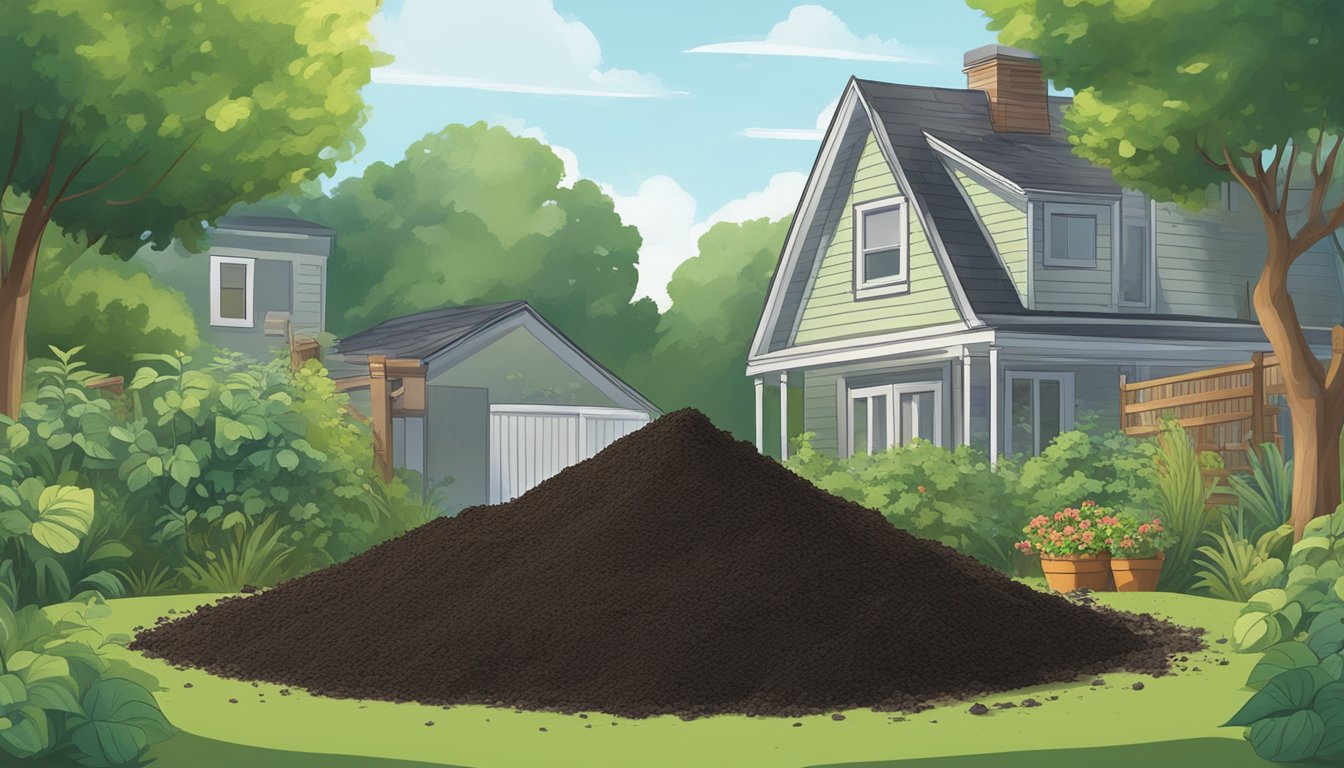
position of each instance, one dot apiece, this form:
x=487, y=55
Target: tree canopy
x=475, y=215
x=700, y=358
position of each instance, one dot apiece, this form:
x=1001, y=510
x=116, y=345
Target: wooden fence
x=1225, y=410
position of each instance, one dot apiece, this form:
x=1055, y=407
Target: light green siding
x=1006, y=222
x=831, y=310
x=824, y=395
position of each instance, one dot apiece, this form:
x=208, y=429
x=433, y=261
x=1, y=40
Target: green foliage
x=81, y=297
x=474, y=215
x=1232, y=568
x=272, y=98
x=1297, y=712
x=1135, y=537
x=1153, y=82
x=950, y=496
x=60, y=693
x=1110, y=468
x=1265, y=497
x=1086, y=529
x=704, y=336
x=224, y=474
x=1183, y=490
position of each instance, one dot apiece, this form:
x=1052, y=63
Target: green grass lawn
x=1172, y=721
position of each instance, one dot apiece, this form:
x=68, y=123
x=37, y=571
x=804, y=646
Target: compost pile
x=678, y=571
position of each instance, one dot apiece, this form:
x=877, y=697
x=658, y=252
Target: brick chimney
x=1017, y=89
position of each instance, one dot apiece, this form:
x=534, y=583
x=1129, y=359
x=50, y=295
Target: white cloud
x=815, y=133
x=518, y=46
x=665, y=215
x=518, y=127
x=816, y=32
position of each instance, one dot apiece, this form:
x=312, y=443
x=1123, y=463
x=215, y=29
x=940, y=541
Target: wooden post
x=380, y=414
x=1259, y=433
x=1124, y=423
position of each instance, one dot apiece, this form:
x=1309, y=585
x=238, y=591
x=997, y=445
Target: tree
x=475, y=215
x=131, y=122
x=109, y=306
x=700, y=358
x=1174, y=97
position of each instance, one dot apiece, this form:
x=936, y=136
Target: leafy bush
x=223, y=471
x=950, y=496
x=1134, y=537
x=1182, y=495
x=1265, y=495
x=1110, y=468
x=1232, y=568
x=1297, y=712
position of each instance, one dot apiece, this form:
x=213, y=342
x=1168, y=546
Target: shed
x=493, y=398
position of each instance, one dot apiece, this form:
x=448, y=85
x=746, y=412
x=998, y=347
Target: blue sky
x=681, y=138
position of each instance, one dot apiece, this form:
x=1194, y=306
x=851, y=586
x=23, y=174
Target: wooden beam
x=381, y=416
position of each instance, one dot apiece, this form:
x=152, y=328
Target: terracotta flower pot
x=1070, y=572
x=1136, y=574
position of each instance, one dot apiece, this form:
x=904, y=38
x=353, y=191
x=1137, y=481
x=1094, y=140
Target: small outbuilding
x=493, y=398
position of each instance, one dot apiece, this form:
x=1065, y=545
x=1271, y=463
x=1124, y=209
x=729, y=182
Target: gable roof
x=285, y=224
x=425, y=334
x=459, y=330
x=918, y=127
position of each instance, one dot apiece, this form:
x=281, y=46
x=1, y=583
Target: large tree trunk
x=1317, y=417
x=15, y=293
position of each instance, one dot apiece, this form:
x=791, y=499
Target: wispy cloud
x=515, y=46
x=816, y=32
x=815, y=133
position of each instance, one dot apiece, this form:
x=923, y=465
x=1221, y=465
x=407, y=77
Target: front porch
x=1005, y=391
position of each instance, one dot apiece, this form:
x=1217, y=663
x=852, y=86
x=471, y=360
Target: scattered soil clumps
x=678, y=571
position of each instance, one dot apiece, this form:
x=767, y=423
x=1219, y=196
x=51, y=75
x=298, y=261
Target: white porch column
x=993, y=405
x=760, y=414
x=783, y=415
x=965, y=396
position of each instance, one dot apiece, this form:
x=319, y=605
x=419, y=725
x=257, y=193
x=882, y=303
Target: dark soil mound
x=678, y=571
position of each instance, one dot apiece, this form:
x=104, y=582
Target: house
x=262, y=279
x=955, y=273
x=493, y=398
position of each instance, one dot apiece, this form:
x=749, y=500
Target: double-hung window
x=1071, y=235
x=881, y=247
x=1135, y=265
x=894, y=414
x=1040, y=407
x=231, y=285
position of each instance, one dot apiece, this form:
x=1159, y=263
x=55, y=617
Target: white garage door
x=529, y=443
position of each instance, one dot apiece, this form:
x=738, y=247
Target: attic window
x=881, y=247
x=1071, y=235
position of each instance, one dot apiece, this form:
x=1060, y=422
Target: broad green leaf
x=1255, y=630
x=185, y=466
x=14, y=522
x=1325, y=635
x=27, y=733
x=12, y=691
x=1288, y=738
x=1286, y=693
x=1268, y=600
x=17, y=435
x=287, y=459
x=64, y=514
x=1280, y=658
x=109, y=550
x=121, y=719
x=1329, y=704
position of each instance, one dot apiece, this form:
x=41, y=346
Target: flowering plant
x=1135, y=538
x=1083, y=530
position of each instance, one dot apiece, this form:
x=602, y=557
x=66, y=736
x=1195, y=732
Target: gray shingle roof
x=423, y=334
x=905, y=113
x=274, y=224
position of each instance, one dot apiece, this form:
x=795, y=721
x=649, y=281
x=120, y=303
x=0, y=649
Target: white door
x=530, y=443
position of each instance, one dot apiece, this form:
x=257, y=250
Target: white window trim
x=1066, y=404
x=887, y=286
x=231, y=322
x=1093, y=211
x=893, y=393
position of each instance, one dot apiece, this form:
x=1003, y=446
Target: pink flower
x=1085, y=524
x=1059, y=516
x=921, y=489
x=1143, y=528
x=1087, y=537
x=1073, y=513
x=1068, y=529
x=1089, y=503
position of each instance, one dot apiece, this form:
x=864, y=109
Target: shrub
x=1111, y=468
x=1232, y=568
x=190, y=457
x=1297, y=712
x=1265, y=495
x=1183, y=491
x=949, y=496
x=1133, y=537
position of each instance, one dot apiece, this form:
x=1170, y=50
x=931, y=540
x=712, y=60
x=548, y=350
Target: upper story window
x=231, y=285
x=1135, y=265
x=881, y=247
x=1071, y=235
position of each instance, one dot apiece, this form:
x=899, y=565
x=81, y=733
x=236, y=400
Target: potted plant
x=1072, y=546
x=1136, y=552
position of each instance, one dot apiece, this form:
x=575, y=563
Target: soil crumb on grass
x=677, y=572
